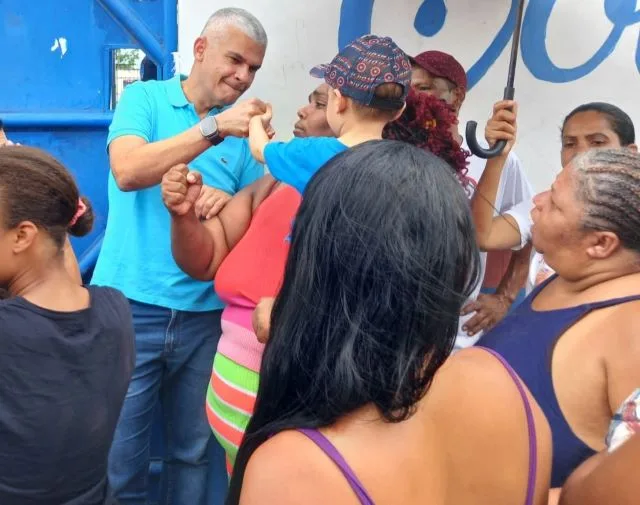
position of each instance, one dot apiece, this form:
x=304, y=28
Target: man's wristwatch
x=209, y=130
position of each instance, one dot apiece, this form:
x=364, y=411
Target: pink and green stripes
x=230, y=401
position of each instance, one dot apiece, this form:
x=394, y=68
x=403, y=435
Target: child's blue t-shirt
x=295, y=162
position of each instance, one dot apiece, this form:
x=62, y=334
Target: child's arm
x=259, y=135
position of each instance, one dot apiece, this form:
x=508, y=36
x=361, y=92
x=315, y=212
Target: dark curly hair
x=426, y=123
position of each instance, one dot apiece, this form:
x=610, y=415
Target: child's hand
x=210, y=202
x=266, y=121
x=270, y=132
x=260, y=133
x=267, y=116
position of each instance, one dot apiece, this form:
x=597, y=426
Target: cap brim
x=319, y=71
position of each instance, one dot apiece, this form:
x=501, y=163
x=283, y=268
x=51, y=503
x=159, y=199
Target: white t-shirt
x=538, y=271
x=521, y=213
x=514, y=189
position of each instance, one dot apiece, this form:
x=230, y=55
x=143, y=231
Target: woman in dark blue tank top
x=575, y=341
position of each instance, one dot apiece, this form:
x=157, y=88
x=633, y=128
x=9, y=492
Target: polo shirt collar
x=177, y=97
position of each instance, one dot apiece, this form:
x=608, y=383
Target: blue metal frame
x=132, y=24
x=170, y=38
x=160, y=53
x=23, y=120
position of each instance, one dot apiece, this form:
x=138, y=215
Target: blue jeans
x=174, y=356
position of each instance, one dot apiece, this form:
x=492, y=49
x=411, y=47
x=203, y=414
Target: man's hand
x=210, y=202
x=181, y=189
x=489, y=310
x=262, y=319
x=503, y=124
x=234, y=121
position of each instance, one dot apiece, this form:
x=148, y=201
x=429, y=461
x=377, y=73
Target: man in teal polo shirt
x=156, y=125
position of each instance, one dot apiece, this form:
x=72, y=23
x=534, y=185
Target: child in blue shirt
x=369, y=79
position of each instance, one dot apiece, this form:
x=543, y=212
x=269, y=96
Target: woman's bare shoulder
x=290, y=469
x=481, y=416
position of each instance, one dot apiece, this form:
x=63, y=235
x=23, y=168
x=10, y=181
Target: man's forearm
x=144, y=165
x=193, y=246
x=515, y=277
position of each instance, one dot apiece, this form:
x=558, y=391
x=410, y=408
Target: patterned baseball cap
x=443, y=65
x=365, y=64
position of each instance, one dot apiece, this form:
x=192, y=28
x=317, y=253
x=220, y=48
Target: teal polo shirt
x=136, y=252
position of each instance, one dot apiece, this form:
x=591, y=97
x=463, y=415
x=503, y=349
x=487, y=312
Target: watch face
x=209, y=127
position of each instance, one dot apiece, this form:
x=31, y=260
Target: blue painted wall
x=61, y=102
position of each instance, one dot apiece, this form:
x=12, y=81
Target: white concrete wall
x=304, y=33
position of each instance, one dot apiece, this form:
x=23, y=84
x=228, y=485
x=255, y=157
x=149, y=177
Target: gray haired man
x=156, y=125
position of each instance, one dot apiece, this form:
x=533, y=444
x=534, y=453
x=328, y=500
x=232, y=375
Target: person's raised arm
x=199, y=247
x=138, y=163
x=501, y=232
x=260, y=132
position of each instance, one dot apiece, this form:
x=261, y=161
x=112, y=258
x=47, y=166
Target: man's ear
x=199, y=47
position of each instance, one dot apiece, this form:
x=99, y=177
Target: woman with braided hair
x=594, y=125
x=574, y=341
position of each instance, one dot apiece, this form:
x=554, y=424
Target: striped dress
x=252, y=270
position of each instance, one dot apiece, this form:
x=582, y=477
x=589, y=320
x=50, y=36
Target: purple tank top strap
x=329, y=449
x=531, y=427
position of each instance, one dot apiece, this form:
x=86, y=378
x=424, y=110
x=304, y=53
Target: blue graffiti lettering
x=356, y=15
x=430, y=17
x=355, y=20
x=493, y=52
x=534, y=33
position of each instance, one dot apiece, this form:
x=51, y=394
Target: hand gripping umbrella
x=509, y=93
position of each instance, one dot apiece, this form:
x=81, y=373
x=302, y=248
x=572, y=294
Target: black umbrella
x=509, y=93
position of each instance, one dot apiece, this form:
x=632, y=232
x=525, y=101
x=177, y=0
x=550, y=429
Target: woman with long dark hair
x=245, y=247
x=349, y=407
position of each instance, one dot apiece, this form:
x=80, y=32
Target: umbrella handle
x=472, y=142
